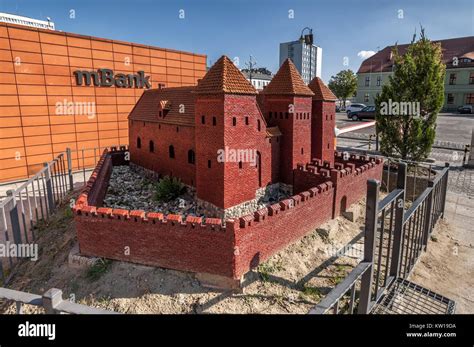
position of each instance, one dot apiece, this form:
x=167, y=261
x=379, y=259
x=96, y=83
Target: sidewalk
x=448, y=265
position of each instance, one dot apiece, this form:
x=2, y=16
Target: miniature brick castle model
x=179, y=132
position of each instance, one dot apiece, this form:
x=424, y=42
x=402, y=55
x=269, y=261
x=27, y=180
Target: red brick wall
x=280, y=225
x=163, y=135
x=323, y=121
x=199, y=245
x=295, y=145
x=154, y=241
x=217, y=184
x=208, y=139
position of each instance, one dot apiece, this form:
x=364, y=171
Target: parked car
x=367, y=112
x=354, y=108
x=465, y=109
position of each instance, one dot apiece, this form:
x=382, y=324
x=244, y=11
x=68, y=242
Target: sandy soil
x=292, y=281
x=447, y=267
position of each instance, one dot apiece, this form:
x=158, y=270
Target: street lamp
x=308, y=40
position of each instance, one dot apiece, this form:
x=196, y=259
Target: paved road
x=450, y=126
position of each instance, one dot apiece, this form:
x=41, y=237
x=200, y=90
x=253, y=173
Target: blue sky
x=238, y=28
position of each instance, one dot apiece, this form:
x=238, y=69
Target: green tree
x=408, y=106
x=343, y=85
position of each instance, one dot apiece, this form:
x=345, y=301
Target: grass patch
x=340, y=274
x=266, y=269
x=168, y=188
x=311, y=292
x=98, y=269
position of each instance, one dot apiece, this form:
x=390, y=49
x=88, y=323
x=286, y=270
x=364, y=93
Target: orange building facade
x=47, y=105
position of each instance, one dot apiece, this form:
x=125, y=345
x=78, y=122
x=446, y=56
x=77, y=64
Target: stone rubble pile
x=130, y=189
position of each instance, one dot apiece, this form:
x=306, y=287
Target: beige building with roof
x=458, y=55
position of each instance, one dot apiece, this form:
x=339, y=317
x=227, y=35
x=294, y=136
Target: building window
x=269, y=115
x=470, y=99
x=214, y=121
x=246, y=120
x=234, y=121
x=366, y=97
x=379, y=81
x=191, y=157
x=452, y=79
x=302, y=151
x=203, y=119
x=286, y=115
x=177, y=129
x=258, y=125
x=139, y=142
x=367, y=81
x=471, y=78
x=151, y=146
x=171, y=151
x=450, y=99
x=160, y=114
x=240, y=164
x=208, y=164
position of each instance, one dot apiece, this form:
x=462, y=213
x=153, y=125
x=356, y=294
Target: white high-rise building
x=306, y=57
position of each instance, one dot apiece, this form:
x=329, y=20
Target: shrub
x=169, y=188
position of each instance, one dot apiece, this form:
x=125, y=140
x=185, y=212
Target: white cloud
x=365, y=54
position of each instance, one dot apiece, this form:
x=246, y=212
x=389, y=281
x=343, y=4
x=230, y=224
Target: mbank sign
x=106, y=78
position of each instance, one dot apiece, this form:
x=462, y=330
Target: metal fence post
x=51, y=299
x=69, y=168
x=399, y=212
x=371, y=217
x=14, y=219
x=428, y=215
x=445, y=188
x=49, y=187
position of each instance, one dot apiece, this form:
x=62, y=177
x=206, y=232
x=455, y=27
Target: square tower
x=323, y=121
x=287, y=105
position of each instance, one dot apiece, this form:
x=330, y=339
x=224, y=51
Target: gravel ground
x=130, y=190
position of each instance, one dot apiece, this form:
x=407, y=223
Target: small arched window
x=139, y=142
x=234, y=121
x=171, y=151
x=152, y=146
x=258, y=124
x=191, y=157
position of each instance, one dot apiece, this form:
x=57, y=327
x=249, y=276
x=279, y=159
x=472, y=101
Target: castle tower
x=287, y=104
x=227, y=119
x=323, y=121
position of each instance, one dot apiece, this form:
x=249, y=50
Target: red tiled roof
x=176, y=98
x=287, y=81
x=320, y=90
x=224, y=77
x=381, y=62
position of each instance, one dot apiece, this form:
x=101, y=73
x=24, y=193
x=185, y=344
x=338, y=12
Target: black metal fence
x=393, y=241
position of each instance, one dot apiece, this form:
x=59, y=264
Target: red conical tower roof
x=287, y=81
x=224, y=77
x=321, y=91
